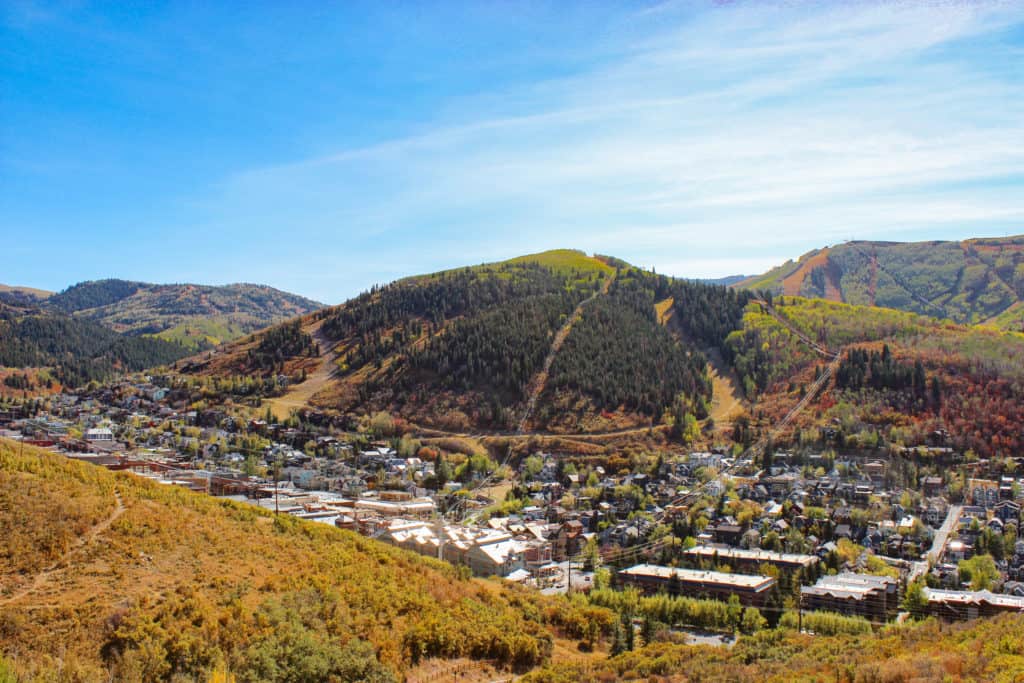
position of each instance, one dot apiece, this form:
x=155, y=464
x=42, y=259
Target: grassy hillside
x=111, y=577
x=15, y=295
x=566, y=260
x=196, y=316
x=971, y=282
x=563, y=261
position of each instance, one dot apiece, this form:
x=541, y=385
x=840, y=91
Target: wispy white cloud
x=762, y=129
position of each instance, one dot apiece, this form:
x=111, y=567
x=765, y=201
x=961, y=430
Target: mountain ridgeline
x=471, y=346
x=198, y=316
x=94, y=330
x=970, y=282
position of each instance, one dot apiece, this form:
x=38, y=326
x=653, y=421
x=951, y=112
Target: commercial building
x=963, y=605
x=695, y=583
x=875, y=598
x=742, y=559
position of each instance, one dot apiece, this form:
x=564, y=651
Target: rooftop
x=700, y=576
x=707, y=551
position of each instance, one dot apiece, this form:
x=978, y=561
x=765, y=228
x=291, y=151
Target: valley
x=580, y=429
x=489, y=342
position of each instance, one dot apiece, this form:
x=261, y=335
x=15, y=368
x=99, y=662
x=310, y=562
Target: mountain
x=556, y=341
x=725, y=281
x=42, y=350
x=889, y=378
x=972, y=282
x=197, y=316
x=534, y=346
x=21, y=296
x=109, y=576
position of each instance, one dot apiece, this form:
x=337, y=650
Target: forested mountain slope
x=902, y=378
x=462, y=349
x=41, y=351
x=971, y=282
x=195, y=315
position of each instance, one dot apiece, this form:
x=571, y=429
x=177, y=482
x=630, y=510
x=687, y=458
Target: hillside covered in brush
x=108, y=576
x=983, y=650
x=198, y=316
x=899, y=378
x=971, y=282
x=557, y=340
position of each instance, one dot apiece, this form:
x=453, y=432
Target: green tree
x=734, y=611
x=618, y=640
x=915, y=601
x=752, y=621
x=980, y=571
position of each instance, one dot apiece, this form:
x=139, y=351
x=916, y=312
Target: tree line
x=79, y=351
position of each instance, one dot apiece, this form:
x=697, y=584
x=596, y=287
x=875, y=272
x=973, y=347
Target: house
x=934, y=512
x=983, y=492
x=500, y=558
x=99, y=434
x=957, y=550
x=875, y=470
x=932, y=486
x=780, y=485
x=567, y=541
x=1007, y=511
x=730, y=534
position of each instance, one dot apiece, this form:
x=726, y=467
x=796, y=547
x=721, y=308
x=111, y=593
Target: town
x=877, y=535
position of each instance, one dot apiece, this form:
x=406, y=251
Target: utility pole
x=277, y=477
x=800, y=613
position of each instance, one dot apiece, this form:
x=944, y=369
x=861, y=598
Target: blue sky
x=324, y=148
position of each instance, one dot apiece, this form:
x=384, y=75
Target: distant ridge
x=975, y=281
x=197, y=316
x=726, y=281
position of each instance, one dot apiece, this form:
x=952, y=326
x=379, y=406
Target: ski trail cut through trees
x=540, y=380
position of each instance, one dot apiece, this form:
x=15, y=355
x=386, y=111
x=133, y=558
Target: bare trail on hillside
x=299, y=395
x=540, y=380
x=46, y=574
x=726, y=400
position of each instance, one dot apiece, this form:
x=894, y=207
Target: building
x=487, y=552
x=99, y=434
x=742, y=559
x=695, y=583
x=962, y=605
x=875, y=598
x=1007, y=511
x=982, y=492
